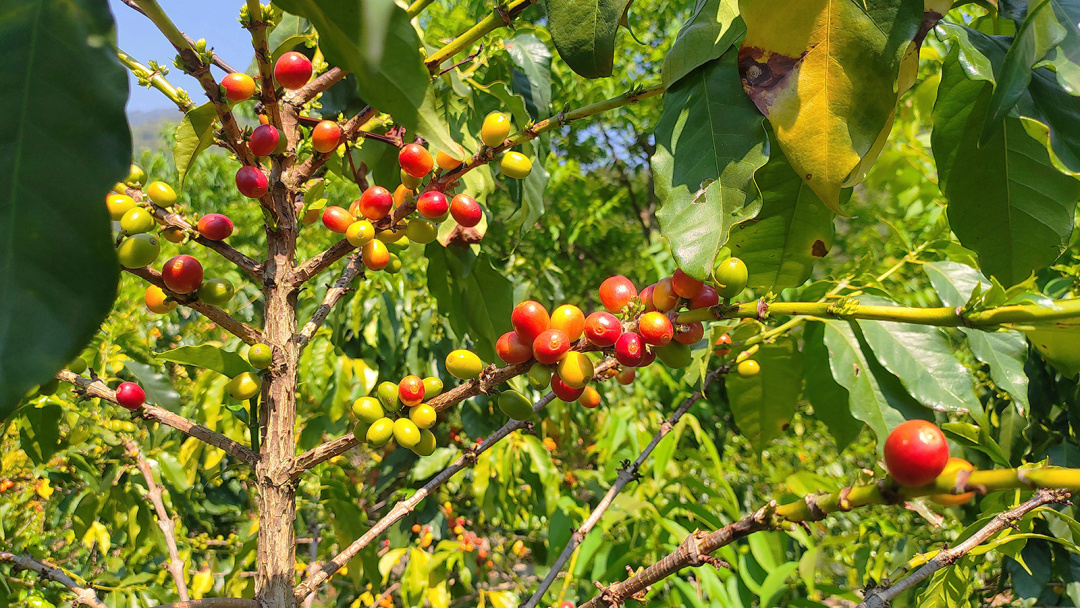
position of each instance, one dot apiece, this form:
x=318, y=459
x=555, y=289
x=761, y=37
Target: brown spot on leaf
x=930, y=19
x=761, y=74
x=818, y=250
x=857, y=371
x=463, y=237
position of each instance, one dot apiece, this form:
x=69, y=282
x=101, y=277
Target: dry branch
x=175, y=565
x=83, y=595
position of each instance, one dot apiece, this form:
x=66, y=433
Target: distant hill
x=147, y=128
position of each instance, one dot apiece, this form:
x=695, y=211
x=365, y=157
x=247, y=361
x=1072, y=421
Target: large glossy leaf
x=63, y=124
x=920, y=356
x=1059, y=343
x=1006, y=200
x=471, y=294
x=709, y=142
x=710, y=32
x=764, y=404
x=1003, y=351
x=532, y=79
x=584, y=33
x=226, y=363
x=792, y=231
x=824, y=73
x=194, y=134
x=158, y=387
x=830, y=400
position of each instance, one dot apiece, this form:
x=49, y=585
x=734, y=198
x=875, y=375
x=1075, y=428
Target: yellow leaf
x=44, y=489
x=202, y=583
x=97, y=534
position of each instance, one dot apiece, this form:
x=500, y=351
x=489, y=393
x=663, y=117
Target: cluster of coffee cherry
x=381, y=418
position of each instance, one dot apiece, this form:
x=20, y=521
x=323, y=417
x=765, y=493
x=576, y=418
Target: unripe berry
x=495, y=129
x=238, y=86
x=360, y=233
x=138, y=250
x=515, y=165
x=664, y=297
x=161, y=194
x=570, y=320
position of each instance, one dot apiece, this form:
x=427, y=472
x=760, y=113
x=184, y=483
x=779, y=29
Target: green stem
x=155, y=13
x=418, y=7
x=257, y=27
x=497, y=18
x=157, y=80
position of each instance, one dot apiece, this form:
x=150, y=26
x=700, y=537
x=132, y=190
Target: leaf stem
x=156, y=80
x=499, y=17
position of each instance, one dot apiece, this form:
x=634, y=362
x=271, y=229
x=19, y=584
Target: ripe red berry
x=655, y=328
x=721, y=349
x=292, y=70
x=916, y=453
x=375, y=203
x=530, y=319
x=411, y=390
x=238, y=86
x=215, y=226
x=432, y=204
x=616, y=292
x=551, y=346
x=685, y=285
x=264, y=140
x=512, y=349
x=602, y=328
x=337, y=219
x=251, y=182
x=706, y=298
x=566, y=604
x=415, y=160
x=690, y=334
x=325, y=136
x=182, y=274
x=130, y=395
x=646, y=297
x=563, y=390
x=647, y=360
x=466, y=211
x=630, y=349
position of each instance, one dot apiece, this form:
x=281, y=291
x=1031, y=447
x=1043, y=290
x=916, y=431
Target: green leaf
x=792, y=231
x=977, y=438
x=764, y=404
x=709, y=142
x=63, y=123
x=171, y=471
x=226, y=363
x=584, y=33
x=920, y=356
x=472, y=294
x=710, y=32
x=830, y=400
x=194, y=134
x=1059, y=344
x=533, y=78
x=159, y=390
x=1006, y=200
x=950, y=587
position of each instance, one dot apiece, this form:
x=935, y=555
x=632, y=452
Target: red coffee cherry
x=251, y=182
x=432, y=204
x=238, y=86
x=690, y=334
x=916, y=453
x=415, y=160
x=325, y=136
x=630, y=349
x=706, y=298
x=616, y=292
x=655, y=328
x=602, y=328
x=292, y=70
x=337, y=219
x=564, y=391
x=512, y=349
x=130, y=395
x=264, y=140
x=466, y=211
x=664, y=297
x=215, y=226
x=551, y=346
x=411, y=390
x=685, y=285
x=530, y=319
x=375, y=203
x=182, y=274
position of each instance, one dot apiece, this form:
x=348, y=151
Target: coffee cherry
x=161, y=194
x=136, y=176
x=375, y=203
x=260, y=356
x=406, y=433
x=157, y=301
x=375, y=255
x=630, y=349
x=626, y=376
x=403, y=194
x=570, y=320
x=664, y=297
x=464, y=364
x=421, y=231
x=337, y=219
x=515, y=165
x=495, y=129
x=530, y=319
x=415, y=160
x=576, y=369
x=426, y=446
x=602, y=328
x=77, y=365
x=238, y=86
x=748, y=368
x=432, y=204
x=708, y=297
x=515, y=405
x=539, y=376
x=182, y=274
x=512, y=349
x=367, y=409
x=118, y=205
x=655, y=328
x=325, y=136
x=215, y=226
x=550, y=346
x=690, y=333
x=674, y=355
x=423, y=415
x=450, y=161
x=244, y=386
x=216, y=291
x=951, y=500
x=360, y=233
x=466, y=211
x=916, y=453
x=138, y=251
x=564, y=391
x=264, y=140
x=380, y=432
x=616, y=292
x=432, y=387
x=589, y=398
x=685, y=285
x=411, y=390
x=393, y=236
x=137, y=220
x=292, y=70
x=731, y=276
x=173, y=234
x=646, y=297
x=388, y=396
x=130, y=395
x=251, y=182
x=721, y=348
x=409, y=182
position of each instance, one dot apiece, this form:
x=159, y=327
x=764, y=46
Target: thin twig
x=336, y=291
x=626, y=475
x=83, y=595
x=175, y=565
x=317, y=85
x=98, y=389
x=218, y=61
x=313, y=559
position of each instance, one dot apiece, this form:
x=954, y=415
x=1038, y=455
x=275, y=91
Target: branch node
x=844, y=504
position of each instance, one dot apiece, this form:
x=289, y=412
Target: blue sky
x=214, y=20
